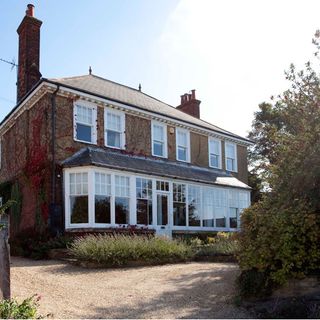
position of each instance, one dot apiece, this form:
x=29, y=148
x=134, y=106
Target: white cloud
x=234, y=53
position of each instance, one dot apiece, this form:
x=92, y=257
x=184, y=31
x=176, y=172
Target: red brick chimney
x=189, y=104
x=29, y=53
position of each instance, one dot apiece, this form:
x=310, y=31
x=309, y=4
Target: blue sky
x=232, y=52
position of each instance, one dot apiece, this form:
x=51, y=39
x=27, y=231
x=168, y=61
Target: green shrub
x=12, y=309
x=118, y=250
x=224, y=243
x=279, y=242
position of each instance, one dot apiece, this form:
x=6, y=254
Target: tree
x=4, y=255
x=280, y=234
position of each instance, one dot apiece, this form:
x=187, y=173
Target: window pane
x=113, y=122
x=233, y=214
x=122, y=210
x=158, y=148
x=144, y=211
x=182, y=153
x=158, y=132
x=182, y=138
x=113, y=139
x=79, y=209
x=214, y=160
x=179, y=214
x=162, y=210
x=102, y=209
x=208, y=207
x=230, y=151
x=122, y=186
x=194, y=206
x=215, y=147
x=83, y=132
x=230, y=164
x=221, y=222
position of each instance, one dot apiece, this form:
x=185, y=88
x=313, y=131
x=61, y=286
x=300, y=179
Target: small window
x=231, y=157
x=162, y=185
x=215, y=153
x=114, y=122
x=159, y=139
x=183, y=145
x=85, y=116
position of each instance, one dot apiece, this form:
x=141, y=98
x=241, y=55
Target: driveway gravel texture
x=190, y=290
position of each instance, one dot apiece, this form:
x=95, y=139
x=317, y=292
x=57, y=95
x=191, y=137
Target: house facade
x=85, y=153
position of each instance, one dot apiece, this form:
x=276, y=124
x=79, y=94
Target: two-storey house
x=86, y=153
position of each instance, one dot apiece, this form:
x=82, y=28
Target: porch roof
x=119, y=160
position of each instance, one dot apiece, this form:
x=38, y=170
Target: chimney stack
x=189, y=104
x=29, y=53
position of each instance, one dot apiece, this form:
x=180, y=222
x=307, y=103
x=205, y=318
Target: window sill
x=86, y=142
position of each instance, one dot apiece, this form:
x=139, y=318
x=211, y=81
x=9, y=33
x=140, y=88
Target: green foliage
x=280, y=235
x=118, y=250
x=12, y=309
x=224, y=243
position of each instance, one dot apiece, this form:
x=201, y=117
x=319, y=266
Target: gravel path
x=192, y=290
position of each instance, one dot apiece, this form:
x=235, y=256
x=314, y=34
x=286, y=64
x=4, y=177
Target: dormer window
x=159, y=139
x=231, y=157
x=214, y=153
x=114, y=122
x=183, y=145
x=85, y=118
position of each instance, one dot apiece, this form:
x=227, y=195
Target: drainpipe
x=53, y=151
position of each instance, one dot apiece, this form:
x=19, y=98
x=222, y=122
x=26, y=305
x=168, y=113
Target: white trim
x=165, y=140
x=149, y=114
x=235, y=155
x=122, y=131
x=187, y=132
x=132, y=220
x=220, y=152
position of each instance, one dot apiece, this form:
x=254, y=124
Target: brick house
x=86, y=153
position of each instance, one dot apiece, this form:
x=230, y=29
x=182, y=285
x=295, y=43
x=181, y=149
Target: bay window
x=159, y=139
x=114, y=122
x=214, y=153
x=98, y=197
x=231, y=157
x=144, y=201
x=85, y=119
x=183, y=145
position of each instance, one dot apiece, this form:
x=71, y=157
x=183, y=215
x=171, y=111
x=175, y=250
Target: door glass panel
x=162, y=209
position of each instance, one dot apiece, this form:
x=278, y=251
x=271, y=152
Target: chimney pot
x=30, y=10
x=189, y=104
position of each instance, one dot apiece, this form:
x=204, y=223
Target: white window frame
x=210, y=153
x=165, y=142
x=187, y=132
x=218, y=201
x=88, y=105
x=122, y=116
x=235, y=155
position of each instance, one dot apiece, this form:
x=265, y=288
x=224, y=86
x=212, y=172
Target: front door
x=163, y=215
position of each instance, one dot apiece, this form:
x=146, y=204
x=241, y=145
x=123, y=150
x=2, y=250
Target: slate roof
x=117, y=92
x=151, y=166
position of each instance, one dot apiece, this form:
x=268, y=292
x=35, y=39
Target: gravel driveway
x=192, y=290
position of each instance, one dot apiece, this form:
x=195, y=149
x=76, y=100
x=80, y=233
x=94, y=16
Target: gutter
x=53, y=146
